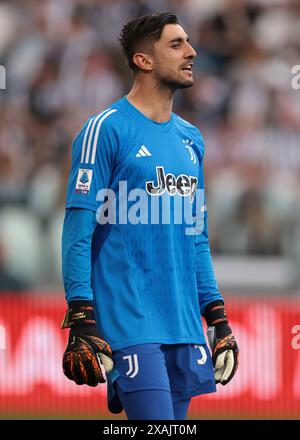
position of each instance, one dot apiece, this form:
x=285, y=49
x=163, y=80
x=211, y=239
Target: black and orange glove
x=87, y=358
x=225, y=352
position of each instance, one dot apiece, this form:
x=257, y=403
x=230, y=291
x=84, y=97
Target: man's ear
x=143, y=61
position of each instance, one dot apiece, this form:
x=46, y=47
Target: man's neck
x=153, y=102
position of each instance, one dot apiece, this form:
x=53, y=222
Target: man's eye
x=175, y=45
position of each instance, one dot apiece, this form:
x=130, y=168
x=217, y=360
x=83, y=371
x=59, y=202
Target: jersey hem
x=158, y=340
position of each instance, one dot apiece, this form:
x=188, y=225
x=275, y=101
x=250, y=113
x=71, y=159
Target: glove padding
x=225, y=352
x=225, y=355
x=87, y=359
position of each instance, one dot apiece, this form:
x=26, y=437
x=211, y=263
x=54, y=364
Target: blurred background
x=63, y=63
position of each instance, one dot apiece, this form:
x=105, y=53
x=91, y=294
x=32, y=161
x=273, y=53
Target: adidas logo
x=143, y=151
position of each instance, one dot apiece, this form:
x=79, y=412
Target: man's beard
x=173, y=84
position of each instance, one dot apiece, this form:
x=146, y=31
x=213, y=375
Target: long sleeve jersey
x=135, y=237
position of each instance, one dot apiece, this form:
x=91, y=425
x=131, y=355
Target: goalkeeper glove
x=225, y=352
x=87, y=358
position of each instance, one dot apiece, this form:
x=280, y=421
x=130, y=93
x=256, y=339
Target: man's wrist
x=80, y=314
x=215, y=316
x=222, y=330
x=214, y=313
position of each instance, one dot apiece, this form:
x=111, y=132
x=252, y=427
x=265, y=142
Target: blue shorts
x=185, y=370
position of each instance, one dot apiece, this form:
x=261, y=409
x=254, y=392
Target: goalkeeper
x=136, y=290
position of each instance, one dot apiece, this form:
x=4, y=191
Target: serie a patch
x=84, y=179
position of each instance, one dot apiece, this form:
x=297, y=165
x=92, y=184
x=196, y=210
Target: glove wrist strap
x=215, y=314
x=79, y=314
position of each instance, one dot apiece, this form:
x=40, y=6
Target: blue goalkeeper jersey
x=144, y=182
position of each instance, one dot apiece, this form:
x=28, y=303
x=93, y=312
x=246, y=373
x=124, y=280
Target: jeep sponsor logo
x=183, y=185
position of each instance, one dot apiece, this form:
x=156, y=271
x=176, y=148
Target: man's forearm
x=79, y=225
x=208, y=290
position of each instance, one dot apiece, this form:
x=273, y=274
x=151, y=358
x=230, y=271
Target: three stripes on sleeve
x=88, y=152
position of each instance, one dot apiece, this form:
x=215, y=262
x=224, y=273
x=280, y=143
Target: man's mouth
x=188, y=67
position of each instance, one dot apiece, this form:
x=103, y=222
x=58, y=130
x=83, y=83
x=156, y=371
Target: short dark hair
x=143, y=30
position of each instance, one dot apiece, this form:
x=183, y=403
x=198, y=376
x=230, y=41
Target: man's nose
x=190, y=52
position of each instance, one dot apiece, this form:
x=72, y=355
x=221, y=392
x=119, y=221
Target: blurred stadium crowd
x=63, y=63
